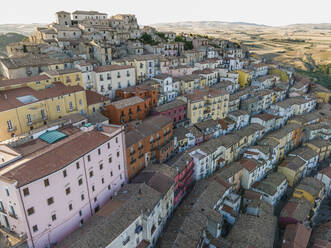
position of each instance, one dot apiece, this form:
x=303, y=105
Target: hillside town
x=116, y=135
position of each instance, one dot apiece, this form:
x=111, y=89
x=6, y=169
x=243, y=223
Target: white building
x=142, y=207
x=253, y=171
x=308, y=155
x=109, y=78
x=241, y=117
x=272, y=187
x=324, y=175
x=87, y=75
x=80, y=15
x=168, y=89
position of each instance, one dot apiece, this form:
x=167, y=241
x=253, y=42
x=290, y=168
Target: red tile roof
x=94, y=97
x=55, y=157
x=9, y=82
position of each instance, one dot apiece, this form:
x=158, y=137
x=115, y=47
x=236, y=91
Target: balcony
x=12, y=129
x=126, y=241
x=13, y=215
x=133, y=161
x=138, y=229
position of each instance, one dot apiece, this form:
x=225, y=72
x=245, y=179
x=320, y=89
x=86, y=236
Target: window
x=35, y=228
x=111, y=173
x=109, y=187
x=102, y=180
x=88, y=158
x=46, y=182
x=116, y=139
x=70, y=106
x=101, y=166
x=99, y=151
x=80, y=181
x=93, y=188
x=80, y=213
x=58, y=109
x=28, y=116
x=10, y=126
x=70, y=206
x=91, y=173
x=77, y=165
x=54, y=217
x=119, y=166
x=50, y=201
x=26, y=192
x=95, y=199
x=64, y=173
x=118, y=154
x=82, y=197
x=30, y=211
x=68, y=191
x=121, y=176
x=109, y=159
x=80, y=102
x=108, y=145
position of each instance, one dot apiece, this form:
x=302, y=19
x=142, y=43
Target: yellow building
x=323, y=94
x=321, y=146
x=244, y=78
x=24, y=109
x=95, y=102
x=188, y=83
x=69, y=77
x=293, y=169
x=311, y=189
x=282, y=74
x=37, y=83
x=143, y=64
x=206, y=104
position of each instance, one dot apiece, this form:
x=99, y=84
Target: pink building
x=175, y=110
x=51, y=185
x=184, y=165
x=177, y=71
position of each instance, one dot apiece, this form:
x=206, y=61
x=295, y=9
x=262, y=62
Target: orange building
x=148, y=141
x=146, y=92
x=126, y=110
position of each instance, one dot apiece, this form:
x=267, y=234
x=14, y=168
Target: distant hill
x=25, y=29
x=207, y=24
x=214, y=25
x=8, y=38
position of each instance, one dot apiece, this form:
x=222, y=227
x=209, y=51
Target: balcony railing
x=138, y=229
x=12, y=129
x=133, y=161
x=126, y=241
x=13, y=215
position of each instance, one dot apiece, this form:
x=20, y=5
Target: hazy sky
x=279, y=12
